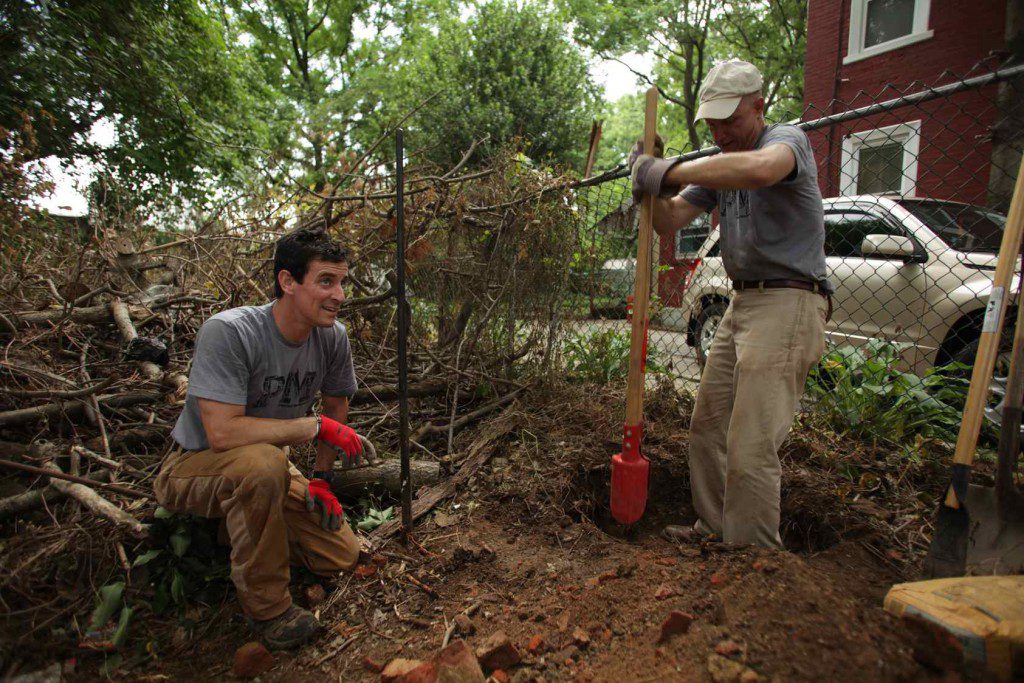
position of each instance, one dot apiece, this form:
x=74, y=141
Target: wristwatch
x=326, y=475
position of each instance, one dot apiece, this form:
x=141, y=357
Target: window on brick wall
x=877, y=26
x=881, y=161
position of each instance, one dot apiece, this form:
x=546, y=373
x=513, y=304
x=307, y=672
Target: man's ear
x=286, y=281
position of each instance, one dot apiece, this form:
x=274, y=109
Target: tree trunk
x=350, y=483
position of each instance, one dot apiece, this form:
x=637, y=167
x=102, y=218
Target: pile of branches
x=98, y=318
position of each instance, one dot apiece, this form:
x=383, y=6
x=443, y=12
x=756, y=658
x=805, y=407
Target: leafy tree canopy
x=507, y=72
x=184, y=108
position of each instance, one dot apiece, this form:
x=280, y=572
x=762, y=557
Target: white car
x=913, y=271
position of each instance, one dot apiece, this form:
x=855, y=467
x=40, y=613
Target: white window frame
x=677, y=238
x=858, y=26
x=908, y=134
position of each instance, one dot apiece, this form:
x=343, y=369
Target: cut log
x=75, y=408
x=386, y=473
x=30, y=500
x=479, y=453
x=97, y=504
x=133, y=437
x=89, y=314
x=389, y=392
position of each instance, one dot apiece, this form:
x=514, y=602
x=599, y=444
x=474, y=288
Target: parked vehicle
x=613, y=284
x=913, y=271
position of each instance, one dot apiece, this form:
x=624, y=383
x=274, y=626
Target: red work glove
x=319, y=495
x=341, y=437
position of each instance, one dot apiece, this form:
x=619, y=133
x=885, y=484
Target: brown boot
x=293, y=628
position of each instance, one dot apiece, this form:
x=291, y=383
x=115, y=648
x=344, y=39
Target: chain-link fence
x=917, y=181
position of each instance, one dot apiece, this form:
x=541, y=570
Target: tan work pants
x=261, y=497
x=766, y=344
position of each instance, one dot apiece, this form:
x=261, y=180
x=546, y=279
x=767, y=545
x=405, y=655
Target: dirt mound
x=527, y=547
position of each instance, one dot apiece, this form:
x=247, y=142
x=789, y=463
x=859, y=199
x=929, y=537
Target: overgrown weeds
x=862, y=392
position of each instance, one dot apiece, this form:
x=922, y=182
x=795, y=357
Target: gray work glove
x=648, y=175
x=644, y=182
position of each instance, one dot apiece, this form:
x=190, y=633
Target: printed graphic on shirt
x=291, y=391
x=736, y=204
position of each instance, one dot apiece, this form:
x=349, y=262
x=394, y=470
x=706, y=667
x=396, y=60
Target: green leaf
x=122, y=626
x=180, y=541
x=108, y=601
x=147, y=557
x=110, y=665
x=178, y=588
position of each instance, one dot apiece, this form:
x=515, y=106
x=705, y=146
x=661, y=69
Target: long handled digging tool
x=947, y=555
x=996, y=542
x=630, y=469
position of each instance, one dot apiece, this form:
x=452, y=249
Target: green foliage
x=508, y=71
x=687, y=38
x=309, y=58
x=159, y=73
x=185, y=562
x=374, y=518
x=602, y=356
x=861, y=391
x=369, y=512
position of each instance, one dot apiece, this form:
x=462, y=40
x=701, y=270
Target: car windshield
x=962, y=226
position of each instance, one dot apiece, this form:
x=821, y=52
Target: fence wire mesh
x=917, y=181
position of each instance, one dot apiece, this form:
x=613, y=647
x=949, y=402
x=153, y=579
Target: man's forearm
x=663, y=219
x=325, y=453
x=245, y=431
x=733, y=171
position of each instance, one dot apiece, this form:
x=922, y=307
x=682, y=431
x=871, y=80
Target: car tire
x=707, y=325
x=997, y=386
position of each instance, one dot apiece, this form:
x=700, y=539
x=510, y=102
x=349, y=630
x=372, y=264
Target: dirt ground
x=528, y=548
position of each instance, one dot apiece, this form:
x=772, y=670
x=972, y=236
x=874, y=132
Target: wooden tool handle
x=1015, y=378
x=988, y=345
x=642, y=289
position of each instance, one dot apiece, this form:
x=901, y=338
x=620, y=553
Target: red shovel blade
x=630, y=473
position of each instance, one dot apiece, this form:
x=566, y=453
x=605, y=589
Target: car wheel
x=997, y=386
x=707, y=325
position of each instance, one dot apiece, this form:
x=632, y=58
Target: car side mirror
x=891, y=246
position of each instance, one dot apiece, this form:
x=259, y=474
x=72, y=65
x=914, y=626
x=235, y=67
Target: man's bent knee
x=263, y=465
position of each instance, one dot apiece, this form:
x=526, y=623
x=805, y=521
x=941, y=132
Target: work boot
x=293, y=628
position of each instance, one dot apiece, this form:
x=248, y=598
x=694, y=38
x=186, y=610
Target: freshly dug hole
x=812, y=518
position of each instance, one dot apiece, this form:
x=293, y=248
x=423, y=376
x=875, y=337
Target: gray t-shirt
x=776, y=232
x=242, y=358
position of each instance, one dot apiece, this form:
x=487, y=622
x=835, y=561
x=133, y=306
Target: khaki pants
x=261, y=497
x=766, y=344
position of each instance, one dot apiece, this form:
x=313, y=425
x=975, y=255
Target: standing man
x=765, y=185
x=255, y=374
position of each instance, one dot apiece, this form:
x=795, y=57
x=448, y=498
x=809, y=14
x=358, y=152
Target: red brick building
x=861, y=52
x=864, y=51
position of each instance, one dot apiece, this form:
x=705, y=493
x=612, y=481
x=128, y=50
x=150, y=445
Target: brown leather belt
x=740, y=285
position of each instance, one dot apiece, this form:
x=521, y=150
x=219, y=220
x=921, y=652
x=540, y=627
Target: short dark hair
x=295, y=250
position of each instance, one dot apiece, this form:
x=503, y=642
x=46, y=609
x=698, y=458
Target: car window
x=715, y=250
x=961, y=226
x=845, y=231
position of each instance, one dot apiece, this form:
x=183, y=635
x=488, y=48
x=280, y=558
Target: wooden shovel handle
x=1015, y=377
x=988, y=345
x=642, y=288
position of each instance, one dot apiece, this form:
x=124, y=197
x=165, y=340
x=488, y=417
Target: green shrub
x=861, y=391
x=602, y=356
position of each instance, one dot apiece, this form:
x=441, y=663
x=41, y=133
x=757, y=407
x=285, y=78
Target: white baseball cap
x=724, y=87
